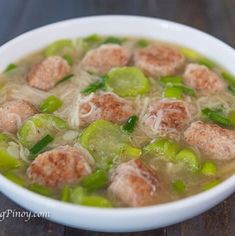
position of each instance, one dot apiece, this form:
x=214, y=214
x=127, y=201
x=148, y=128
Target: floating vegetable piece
x=142, y=43
x=15, y=178
x=209, y=168
x=216, y=117
x=65, y=195
x=211, y=184
x=36, y=127
x=105, y=141
x=7, y=161
x=189, y=158
x=94, y=86
x=127, y=81
x=50, y=104
x=179, y=187
x=129, y=126
x=57, y=46
x=171, y=79
x=172, y=92
x=65, y=78
x=41, y=144
x=96, y=180
x=113, y=40
x=41, y=190
x=10, y=67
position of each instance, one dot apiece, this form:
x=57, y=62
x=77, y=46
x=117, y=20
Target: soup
x=116, y=122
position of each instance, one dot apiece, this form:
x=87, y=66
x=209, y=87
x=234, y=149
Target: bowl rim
x=145, y=210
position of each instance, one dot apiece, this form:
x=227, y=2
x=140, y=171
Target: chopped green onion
x=187, y=90
x=10, y=67
x=216, y=117
x=211, y=184
x=77, y=194
x=57, y=46
x=40, y=189
x=113, y=40
x=209, y=168
x=93, y=87
x=179, y=187
x=40, y=145
x=7, y=161
x=50, y=104
x=189, y=53
x=65, y=78
x=16, y=179
x=96, y=180
x=130, y=124
x=69, y=59
x=206, y=62
x=189, y=158
x=171, y=79
x=172, y=92
x=65, y=195
x=142, y=43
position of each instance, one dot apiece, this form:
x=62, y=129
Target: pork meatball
x=106, y=106
x=135, y=184
x=166, y=117
x=214, y=141
x=62, y=165
x=14, y=113
x=203, y=79
x=102, y=59
x=159, y=60
x=47, y=73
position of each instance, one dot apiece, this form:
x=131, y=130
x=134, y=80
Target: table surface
x=213, y=16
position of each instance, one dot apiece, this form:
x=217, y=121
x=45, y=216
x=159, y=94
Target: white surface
x=122, y=219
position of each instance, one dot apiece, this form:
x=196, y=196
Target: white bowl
x=121, y=219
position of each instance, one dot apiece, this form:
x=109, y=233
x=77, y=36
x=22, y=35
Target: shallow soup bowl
x=120, y=219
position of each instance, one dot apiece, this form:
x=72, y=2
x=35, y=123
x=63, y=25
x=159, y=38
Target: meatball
x=62, y=165
x=102, y=59
x=135, y=184
x=47, y=73
x=166, y=117
x=106, y=106
x=159, y=60
x=214, y=141
x=14, y=113
x=203, y=79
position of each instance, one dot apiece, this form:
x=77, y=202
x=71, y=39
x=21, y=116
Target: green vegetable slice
x=189, y=158
x=209, y=168
x=10, y=67
x=79, y=196
x=68, y=77
x=69, y=59
x=105, y=141
x=65, y=195
x=142, y=43
x=172, y=92
x=7, y=161
x=41, y=190
x=171, y=79
x=50, y=104
x=96, y=180
x=127, y=81
x=92, y=39
x=179, y=187
x=206, y=62
x=229, y=78
x=129, y=126
x=15, y=178
x=216, y=117
x=36, y=127
x=231, y=117
x=165, y=148
x=56, y=47
x=189, y=53
x=211, y=184
x=41, y=144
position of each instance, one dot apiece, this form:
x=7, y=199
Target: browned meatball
x=47, y=73
x=135, y=184
x=159, y=60
x=104, y=58
x=106, y=106
x=62, y=165
x=166, y=116
x=14, y=113
x=218, y=143
x=203, y=79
